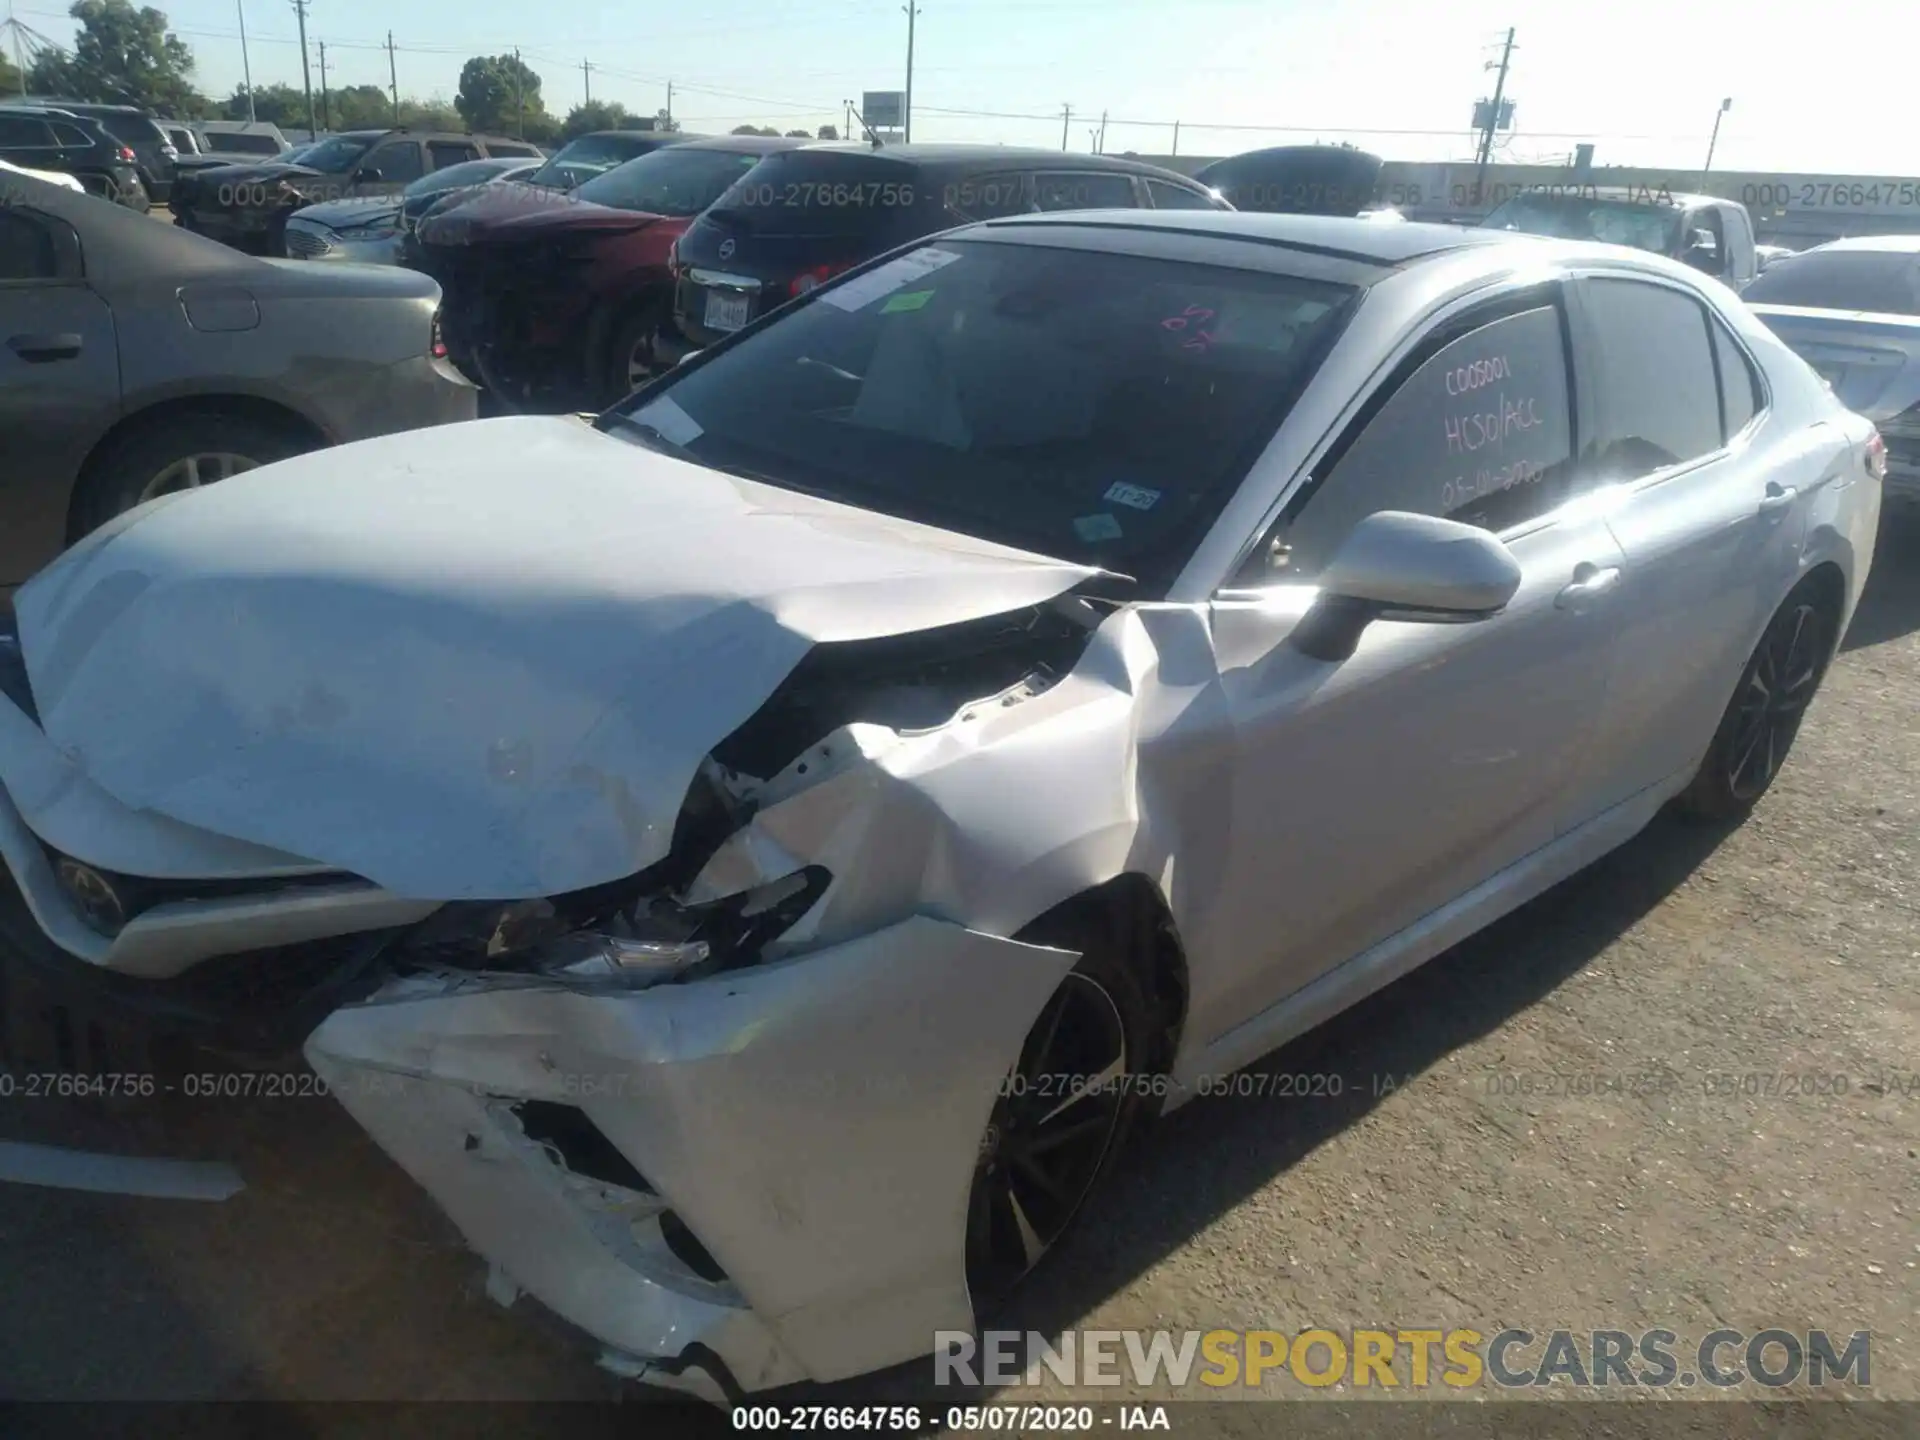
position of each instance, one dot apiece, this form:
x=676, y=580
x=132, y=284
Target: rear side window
x=1481, y=432
x=1655, y=360
x=26, y=249
x=443, y=153
x=989, y=197
x=22, y=131
x=1178, y=197
x=1085, y=190
x=72, y=136
x=1739, y=386
x=516, y=152
x=234, y=144
x=1886, y=282
x=822, y=193
x=134, y=129
x=398, y=164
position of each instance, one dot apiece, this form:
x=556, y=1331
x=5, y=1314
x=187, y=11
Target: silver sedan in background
x=366, y=228
x=764, y=850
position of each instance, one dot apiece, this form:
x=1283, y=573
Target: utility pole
x=1725, y=106
x=519, y=102
x=246, y=66
x=1066, y=119
x=326, y=115
x=393, y=78
x=586, y=79
x=1176, y=137
x=306, y=75
x=1493, y=119
x=669, y=105
x=1101, y=147
x=906, y=119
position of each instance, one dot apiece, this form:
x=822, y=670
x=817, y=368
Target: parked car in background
x=1851, y=310
x=1711, y=235
x=35, y=139
x=138, y=130
x=926, y=735
x=367, y=230
x=1298, y=180
x=802, y=216
x=243, y=137
x=247, y=205
x=1766, y=255
x=554, y=297
x=137, y=360
x=183, y=137
x=50, y=177
x=598, y=151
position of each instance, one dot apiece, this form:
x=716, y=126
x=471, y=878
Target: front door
x=1371, y=791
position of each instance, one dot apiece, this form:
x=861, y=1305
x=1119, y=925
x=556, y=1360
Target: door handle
x=37, y=349
x=1589, y=583
x=1778, y=497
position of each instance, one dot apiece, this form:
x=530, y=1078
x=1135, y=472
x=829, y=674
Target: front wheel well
x=1130, y=915
x=241, y=407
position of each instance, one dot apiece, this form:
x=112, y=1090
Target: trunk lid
x=1872, y=361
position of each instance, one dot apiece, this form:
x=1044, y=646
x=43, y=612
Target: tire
x=632, y=338
x=135, y=467
x=1013, y=1220
x=1757, y=731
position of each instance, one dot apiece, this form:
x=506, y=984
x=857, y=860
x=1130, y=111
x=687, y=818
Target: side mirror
x=684, y=358
x=370, y=175
x=1400, y=566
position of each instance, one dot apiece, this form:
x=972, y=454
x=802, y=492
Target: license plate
x=726, y=312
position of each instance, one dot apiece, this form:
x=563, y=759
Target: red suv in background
x=551, y=300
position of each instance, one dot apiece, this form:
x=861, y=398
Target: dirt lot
x=1787, y=948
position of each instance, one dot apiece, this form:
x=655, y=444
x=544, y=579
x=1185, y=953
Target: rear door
x=59, y=382
x=1711, y=510
x=443, y=153
x=389, y=168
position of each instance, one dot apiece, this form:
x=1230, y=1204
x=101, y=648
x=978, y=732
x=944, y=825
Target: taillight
x=810, y=279
x=436, y=347
x=127, y=156
x=1876, y=456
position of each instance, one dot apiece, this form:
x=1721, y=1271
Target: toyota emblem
x=726, y=249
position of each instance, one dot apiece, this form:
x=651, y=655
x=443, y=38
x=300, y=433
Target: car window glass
x=1656, y=367
x=398, y=163
x=1885, y=282
x=71, y=137
x=1096, y=407
x=679, y=182
x=26, y=248
x=1481, y=433
x=1644, y=226
x=134, y=129
x=1739, y=386
x=1083, y=191
x=989, y=197
x=444, y=153
x=24, y=131
x=1178, y=197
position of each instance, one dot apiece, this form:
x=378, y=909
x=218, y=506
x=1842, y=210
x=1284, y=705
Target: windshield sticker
x=908, y=300
x=1137, y=497
x=676, y=427
x=1095, y=528
x=892, y=276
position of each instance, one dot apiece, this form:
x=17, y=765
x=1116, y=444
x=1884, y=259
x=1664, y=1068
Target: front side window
x=1086, y=190
x=1179, y=197
x=1643, y=226
x=1480, y=432
x=398, y=164
x=671, y=181
x=338, y=155
x=1096, y=407
x=23, y=132
x=1655, y=361
x=445, y=153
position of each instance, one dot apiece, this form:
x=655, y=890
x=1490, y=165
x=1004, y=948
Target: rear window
x=134, y=129
x=1884, y=282
x=1614, y=222
x=815, y=193
x=1096, y=407
x=672, y=180
x=232, y=144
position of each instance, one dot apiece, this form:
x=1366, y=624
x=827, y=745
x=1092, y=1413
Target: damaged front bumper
x=734, y=1183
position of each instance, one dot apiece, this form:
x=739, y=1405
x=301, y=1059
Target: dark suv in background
x=801, y=217
x=35, y=139
x=135, y=128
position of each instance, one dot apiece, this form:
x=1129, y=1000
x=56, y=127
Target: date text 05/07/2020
x=960, y=1419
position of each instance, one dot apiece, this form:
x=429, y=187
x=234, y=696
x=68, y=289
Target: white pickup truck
x=1714, y=236
x=1851, y=310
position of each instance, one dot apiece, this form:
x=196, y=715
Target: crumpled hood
x=472, y=662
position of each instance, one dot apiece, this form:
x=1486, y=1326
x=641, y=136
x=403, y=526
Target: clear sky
x=1824, y=87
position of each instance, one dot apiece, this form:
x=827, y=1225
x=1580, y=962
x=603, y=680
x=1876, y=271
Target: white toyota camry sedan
x=753, y=857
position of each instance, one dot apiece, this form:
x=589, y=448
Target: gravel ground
x=1787, y=947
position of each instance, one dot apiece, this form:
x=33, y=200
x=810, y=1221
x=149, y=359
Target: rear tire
x=177, y=452
x=1757, y=731
x=630, y=360
x=1064, y=1114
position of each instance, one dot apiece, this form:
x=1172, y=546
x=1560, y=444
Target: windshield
x=456, y=177
x=337, y=155
x=1095, y=407
x=1616, y=222
x=235, y=143
x=588, y=156
x=670, y=181
x=1885, y=282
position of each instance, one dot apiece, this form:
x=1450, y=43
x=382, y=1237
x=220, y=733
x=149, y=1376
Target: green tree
x=594, y=115
x=121, y=55
x=798, y=135
x=500, y=94
x=829, y=132
x=361, y=107
x=430, y=115
x=272, y=105
x=9, y=78
x=755, y=130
